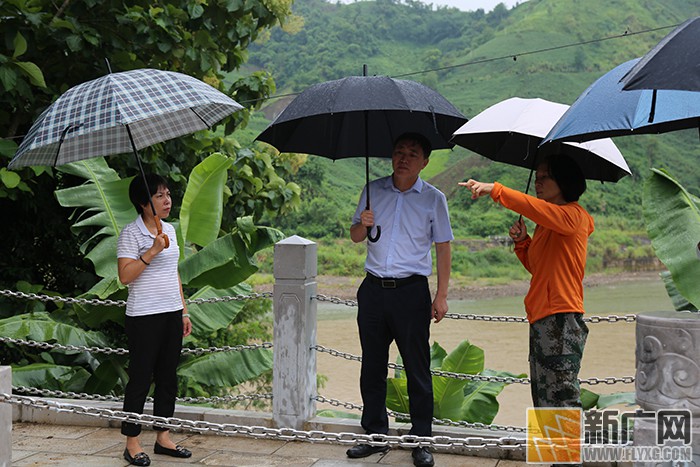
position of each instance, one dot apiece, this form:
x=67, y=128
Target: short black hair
x=139, y=196
x=568, y=175
x=422, y=141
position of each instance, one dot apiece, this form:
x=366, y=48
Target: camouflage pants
x=556, y=349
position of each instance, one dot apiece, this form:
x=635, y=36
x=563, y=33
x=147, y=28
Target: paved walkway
x=35, y=444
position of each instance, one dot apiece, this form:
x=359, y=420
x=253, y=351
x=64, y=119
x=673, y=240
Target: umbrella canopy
x=605, y=110
x=120, y=113
x=672, y=64
x=362, y=116
x=511, y=131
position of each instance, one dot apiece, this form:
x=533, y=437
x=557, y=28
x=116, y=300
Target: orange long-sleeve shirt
x=555, y=255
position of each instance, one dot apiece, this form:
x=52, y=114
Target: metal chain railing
x=97, y=302
x=436, y=421
x=463, y=376
x=286, y=434
x=629, y=318
x=30, y=391
x=121, y=351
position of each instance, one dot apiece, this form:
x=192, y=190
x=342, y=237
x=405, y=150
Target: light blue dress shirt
x=411, y=221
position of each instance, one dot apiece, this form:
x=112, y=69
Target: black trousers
x=155, y=343
x=402, y=315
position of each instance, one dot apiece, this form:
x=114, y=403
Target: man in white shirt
x=394, y=300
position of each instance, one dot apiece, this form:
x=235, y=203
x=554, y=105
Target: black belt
x=390, y=283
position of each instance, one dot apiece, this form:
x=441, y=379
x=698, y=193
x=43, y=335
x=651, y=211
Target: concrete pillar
x=5, y=418
x=668, y=375
x=294, y=373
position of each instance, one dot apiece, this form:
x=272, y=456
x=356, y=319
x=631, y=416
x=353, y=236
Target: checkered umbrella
x=120, y=113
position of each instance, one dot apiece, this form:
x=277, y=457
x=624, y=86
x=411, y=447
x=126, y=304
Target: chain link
x=121, y=303
x=630, y=318
x=437, y=421
x=286, y=434
x=463, y=376
x=230, y=298
x=121, y=351
x=30, y=391
x=72, y=348
x=490, y=318
x=335, y=300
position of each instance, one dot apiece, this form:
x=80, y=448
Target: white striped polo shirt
x=157, y=289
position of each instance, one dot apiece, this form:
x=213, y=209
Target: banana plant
x=213, y=264
x=672, y=215
x=455, y=399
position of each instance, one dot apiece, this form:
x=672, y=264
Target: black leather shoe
x=422, y=457
x=364, y=450
x=179, y=451
x=139, y=459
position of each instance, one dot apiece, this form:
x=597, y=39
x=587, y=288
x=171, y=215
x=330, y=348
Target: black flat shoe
x=364, y=450
x=422, y=457
x=179, y=451
x=139, y=459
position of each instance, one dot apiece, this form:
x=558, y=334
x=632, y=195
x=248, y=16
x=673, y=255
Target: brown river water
x=609, y=350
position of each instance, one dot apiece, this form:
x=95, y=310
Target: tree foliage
x=547, y=49
x=48, y=47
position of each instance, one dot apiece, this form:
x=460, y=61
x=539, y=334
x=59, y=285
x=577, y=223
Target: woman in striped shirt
x=156, y=314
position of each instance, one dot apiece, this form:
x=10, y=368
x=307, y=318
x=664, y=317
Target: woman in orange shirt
x=556, y=258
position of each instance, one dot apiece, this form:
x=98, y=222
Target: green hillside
x=552, y=49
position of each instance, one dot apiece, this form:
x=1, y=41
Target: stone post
x=668, y=374
x=294, y=373
x=5, y=418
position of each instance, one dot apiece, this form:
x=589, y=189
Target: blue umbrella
x=605, y=110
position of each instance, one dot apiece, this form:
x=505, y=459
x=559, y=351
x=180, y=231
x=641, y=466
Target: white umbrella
x=511, y=131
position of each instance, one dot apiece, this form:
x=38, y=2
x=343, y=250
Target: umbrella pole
x=159, y=226
x=379, y=228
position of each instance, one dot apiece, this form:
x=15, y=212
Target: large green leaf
x=40, y=327
x=466, y=358
x=48, y=376
x=221, y=264
x=202, y=206
x=209, y=317
x=106, y=207
x=228, y=260
x=448, y=396
x=448, y=393
x=607, y=400
x=589, y=399
x=672, y=215
x=397, y=395
x=480, y=404
x=680, y=303
x=227, y=369
x=108, y=375
x=96, y=315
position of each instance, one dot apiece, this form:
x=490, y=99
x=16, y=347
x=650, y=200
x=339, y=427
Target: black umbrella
x=362, y=116
x=673, y=63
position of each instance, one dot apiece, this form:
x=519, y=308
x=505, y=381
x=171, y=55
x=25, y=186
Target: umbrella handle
x=369, y=234
x=159, y=229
